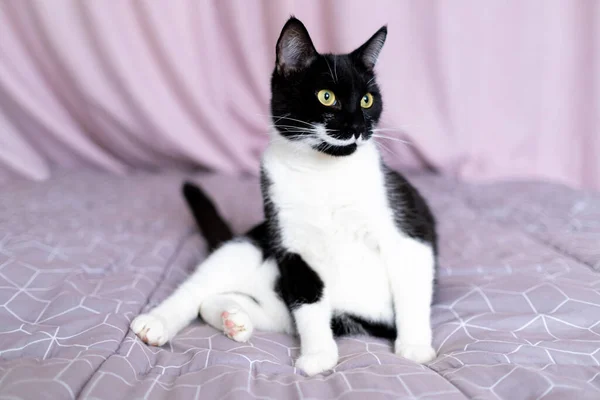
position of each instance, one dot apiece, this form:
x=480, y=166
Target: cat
x=348, y=247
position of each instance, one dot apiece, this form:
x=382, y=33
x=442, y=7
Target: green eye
x=366, y=101
x=326, y=97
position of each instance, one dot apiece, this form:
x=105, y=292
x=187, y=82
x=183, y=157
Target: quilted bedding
x=517, y=314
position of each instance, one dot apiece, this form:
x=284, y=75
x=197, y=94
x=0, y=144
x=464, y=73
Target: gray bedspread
x=517, y=314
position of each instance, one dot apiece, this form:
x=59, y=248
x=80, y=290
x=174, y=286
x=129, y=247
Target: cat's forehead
x=342, y=70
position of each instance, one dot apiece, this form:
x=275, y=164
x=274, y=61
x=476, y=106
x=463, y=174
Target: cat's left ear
x=369, y=51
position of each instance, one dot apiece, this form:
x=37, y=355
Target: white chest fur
x=333, y=211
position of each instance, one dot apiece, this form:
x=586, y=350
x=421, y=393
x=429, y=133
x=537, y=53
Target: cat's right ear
x=295, y=50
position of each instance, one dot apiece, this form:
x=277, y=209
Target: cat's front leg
x=306, y=296
x=318, y=349
x=411, y=268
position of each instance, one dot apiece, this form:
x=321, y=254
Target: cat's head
x=328, y=102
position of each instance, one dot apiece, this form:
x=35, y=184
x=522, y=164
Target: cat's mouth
x=337, y=139
x=342, y=145
x=353, y=140
x=336, y=151
x=324, y=140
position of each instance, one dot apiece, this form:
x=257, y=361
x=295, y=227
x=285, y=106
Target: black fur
x=260, y=237
x=298, y=283
x=346, y=324
x=214, y=229
x=411, y=212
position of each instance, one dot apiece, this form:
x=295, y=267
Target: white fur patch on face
x=321, y=133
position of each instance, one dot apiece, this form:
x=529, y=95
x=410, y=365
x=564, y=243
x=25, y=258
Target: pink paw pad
x=237, y=325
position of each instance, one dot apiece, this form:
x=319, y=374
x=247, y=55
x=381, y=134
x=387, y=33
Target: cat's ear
x=295, y=50
x=369, y=51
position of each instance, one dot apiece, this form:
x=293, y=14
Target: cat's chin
x=336, y=151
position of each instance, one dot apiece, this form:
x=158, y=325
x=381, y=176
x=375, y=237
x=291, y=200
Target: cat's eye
x=326, y=97
x=366, y=101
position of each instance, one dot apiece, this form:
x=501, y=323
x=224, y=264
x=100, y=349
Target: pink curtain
x=480, y=89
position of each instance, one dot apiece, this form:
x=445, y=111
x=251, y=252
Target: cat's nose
x=356, y=134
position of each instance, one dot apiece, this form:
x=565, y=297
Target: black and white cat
x=347, y=246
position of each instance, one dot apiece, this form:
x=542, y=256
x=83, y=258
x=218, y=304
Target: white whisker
x=335, y=67
x=384, y=147
x=296, y=120
x=388, y=130
x=292, y=127
x=331, y=73
x=280, y=117
x=392, y=138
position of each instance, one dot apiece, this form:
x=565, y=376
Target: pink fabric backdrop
x=482, y=90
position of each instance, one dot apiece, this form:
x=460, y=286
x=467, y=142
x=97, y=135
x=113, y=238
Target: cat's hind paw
x=237, y=325
x=150, y=329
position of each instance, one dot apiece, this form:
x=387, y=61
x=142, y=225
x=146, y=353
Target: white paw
x=151, y=329
x=315, y=363
x=419, y=353
x=237, y=325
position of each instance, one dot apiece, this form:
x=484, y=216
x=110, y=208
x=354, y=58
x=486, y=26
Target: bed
x=516, y=316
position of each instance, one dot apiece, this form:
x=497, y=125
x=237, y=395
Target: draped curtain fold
x=479, y=90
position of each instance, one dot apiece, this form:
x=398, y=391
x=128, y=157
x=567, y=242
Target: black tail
x=212, y=226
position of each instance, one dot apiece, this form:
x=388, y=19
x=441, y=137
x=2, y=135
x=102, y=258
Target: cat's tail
x=212, y=226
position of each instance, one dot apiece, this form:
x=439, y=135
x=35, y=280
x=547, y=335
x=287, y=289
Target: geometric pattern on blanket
x=517, y=311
